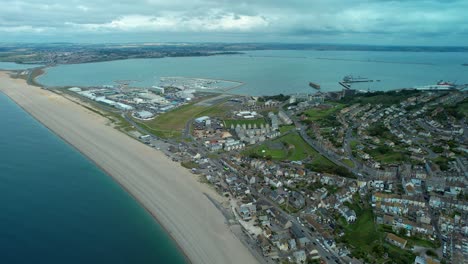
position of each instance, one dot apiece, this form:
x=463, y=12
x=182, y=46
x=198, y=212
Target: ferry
x=352, y=79
x=439, y=86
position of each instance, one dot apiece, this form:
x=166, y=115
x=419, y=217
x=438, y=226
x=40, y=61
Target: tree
x=378, y=250
x=402, y=232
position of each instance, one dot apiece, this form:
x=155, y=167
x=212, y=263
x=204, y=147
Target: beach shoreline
x=198, y=246
x=181, y=250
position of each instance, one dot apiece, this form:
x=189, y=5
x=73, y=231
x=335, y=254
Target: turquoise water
x=16, y=66
x=273, y=72
x=57, y=207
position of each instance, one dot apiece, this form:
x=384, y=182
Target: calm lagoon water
x=273, y=72
x=58, y=207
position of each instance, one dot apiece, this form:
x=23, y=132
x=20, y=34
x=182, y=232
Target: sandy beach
x=167, y=190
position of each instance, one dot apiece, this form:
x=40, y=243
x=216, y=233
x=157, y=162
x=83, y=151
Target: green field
x=367, y=240
x=316, y=114
x=362, y=235
x=387, y=155
x=348, y=162
x=235, y=122
x=326, y=117
x=286, y=128
x=171, y=124
x=287, y=147
x=353, y=144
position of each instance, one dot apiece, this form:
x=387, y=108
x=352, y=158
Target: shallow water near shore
x=58, y=207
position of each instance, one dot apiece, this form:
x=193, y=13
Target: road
x=335, y=158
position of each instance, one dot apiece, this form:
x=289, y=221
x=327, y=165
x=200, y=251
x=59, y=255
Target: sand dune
x=164, y=188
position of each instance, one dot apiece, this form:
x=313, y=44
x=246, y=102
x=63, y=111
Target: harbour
x=279, y=71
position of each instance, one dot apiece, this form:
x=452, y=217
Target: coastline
x=181, y=250
x=202, y=243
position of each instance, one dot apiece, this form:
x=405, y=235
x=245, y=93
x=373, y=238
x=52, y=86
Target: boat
x=439, y=86
x=314, y=85
x=352, y=79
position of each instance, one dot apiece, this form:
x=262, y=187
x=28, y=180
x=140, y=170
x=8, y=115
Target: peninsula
x=168, y=191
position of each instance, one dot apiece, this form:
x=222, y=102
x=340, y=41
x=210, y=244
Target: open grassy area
x=367, y=240
x=353, y=144
x=235, y=122
x=362, y=234
x=286, y=128
x=326, y=117
x=324, y=165
x=348, y=162
x=171, y=124
x=388, y=157
x=287, y=147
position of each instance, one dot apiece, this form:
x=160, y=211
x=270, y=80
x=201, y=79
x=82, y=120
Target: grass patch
x=287, y=147
x=171, y=124
x=286, y=128
x=189, y=165
x=362, y=234
x=325, y=117
x=443, y=162
x=398, y=255
x=348, y=162
x=387, y=157
x=353, y=144
x=316, y=114
x=422, y=242
x=367, y=240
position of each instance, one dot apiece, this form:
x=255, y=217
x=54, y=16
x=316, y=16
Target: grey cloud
x=266, y=20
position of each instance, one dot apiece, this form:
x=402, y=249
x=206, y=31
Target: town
x=337, y=177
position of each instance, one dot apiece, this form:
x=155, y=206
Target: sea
x=269, y=72
x=57, y=207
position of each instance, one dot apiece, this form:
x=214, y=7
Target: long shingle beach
x=168, y=191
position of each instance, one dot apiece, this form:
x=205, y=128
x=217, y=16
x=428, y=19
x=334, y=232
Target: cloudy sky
x=397, y=22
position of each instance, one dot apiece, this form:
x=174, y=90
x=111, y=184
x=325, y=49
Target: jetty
x=314, y=85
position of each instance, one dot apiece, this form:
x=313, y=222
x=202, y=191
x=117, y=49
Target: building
x=232, y=144
x=297, y=200
x=274, y=121
x=202, y=119
x=247, y=211
x=166, y=108
x=123, y=107
x=348, y=214
x=396, y=240
x=284, y=118
x=300, y=256
x=157, y=89
x=144, y=114
x=74, y=89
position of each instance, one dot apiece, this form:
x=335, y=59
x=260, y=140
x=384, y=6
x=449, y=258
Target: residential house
x=396, y=240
